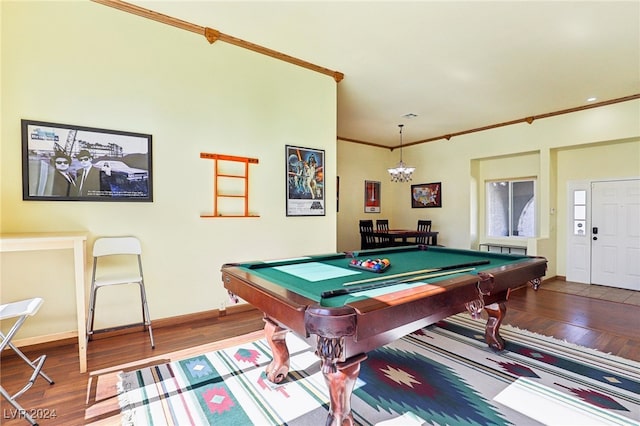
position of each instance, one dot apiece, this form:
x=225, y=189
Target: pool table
x=346, y=311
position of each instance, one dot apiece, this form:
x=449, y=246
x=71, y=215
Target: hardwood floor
x=605, y=325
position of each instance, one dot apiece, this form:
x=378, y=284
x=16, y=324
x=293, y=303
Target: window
x=511, y=208
x=579, y=212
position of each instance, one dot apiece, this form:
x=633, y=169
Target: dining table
x=395, y=237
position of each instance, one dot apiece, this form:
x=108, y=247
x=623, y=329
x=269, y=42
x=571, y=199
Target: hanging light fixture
x=401, y=172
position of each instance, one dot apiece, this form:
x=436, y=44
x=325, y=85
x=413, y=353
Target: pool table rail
x=415, y=305
x=274, y=301
x=344, y=334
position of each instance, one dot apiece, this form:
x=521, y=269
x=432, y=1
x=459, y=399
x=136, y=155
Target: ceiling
x=456, y=65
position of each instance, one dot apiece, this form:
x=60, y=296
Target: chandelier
x=401, y=172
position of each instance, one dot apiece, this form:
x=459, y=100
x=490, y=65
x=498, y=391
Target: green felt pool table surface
x=297, y=274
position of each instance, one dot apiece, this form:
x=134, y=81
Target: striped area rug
x=441, y=375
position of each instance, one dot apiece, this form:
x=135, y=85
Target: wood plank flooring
x=605, y=325
x=596, y=323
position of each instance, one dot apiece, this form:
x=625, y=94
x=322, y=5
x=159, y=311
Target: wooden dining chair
x=382, y=225
x=367, y=237
x=424, y=226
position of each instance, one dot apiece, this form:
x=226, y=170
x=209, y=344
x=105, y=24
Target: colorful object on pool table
x=401, y=278
x=371, y=265
x=421, y=271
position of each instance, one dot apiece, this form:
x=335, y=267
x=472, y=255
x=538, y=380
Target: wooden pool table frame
x=346, y=333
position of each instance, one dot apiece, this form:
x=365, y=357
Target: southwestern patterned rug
x=441, y=375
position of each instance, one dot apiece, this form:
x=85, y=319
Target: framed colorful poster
x=426, y=195
x=371, y=196
x=64, y=162
x=305, y=181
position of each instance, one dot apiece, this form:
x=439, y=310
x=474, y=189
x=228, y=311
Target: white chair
x=21, y=311
x=123, y=251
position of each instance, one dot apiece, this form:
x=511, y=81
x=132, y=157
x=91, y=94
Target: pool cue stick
x=426, y=277
x=374, y=285
x=422, y=271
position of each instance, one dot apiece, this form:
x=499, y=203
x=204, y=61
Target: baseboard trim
x=200, y=316
x=71, y=337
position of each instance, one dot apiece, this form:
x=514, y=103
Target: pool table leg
x=341, y=379
x=535, y=283
x=496, y=312
x=278, y=369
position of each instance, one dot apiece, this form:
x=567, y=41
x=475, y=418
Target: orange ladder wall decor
x=217, y=175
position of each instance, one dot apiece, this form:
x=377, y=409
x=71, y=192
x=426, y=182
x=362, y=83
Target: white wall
x=86, y=64
x=357, y=164
x=595, y=142
x=592, y=162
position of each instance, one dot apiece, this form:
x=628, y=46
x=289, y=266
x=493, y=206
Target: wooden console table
x=75, y=241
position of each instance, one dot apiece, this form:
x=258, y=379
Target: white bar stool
x=127, y=252
x=21, y=311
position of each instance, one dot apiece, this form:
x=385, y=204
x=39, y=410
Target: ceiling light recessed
x=410, y=115
x=592, y=99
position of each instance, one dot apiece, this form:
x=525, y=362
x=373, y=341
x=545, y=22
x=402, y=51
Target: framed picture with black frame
x=426, y=195
x=66, y=162
x=305, y=181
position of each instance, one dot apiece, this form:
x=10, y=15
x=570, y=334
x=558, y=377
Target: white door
x=615, y=233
